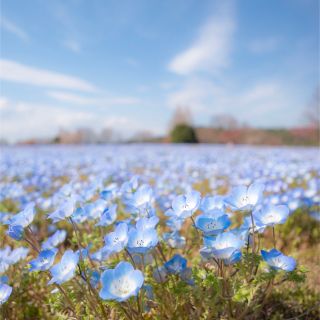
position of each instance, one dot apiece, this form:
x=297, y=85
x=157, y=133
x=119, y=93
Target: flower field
x=159, y=232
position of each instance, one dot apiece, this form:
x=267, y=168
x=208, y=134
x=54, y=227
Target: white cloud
x=68, y=97
x=72, y=45
x=267, y=103
x=20, y=73
x=210, y=51
x=264, y=45
x=193, y=94
x=4, y=103
x=46, y=120
x=132, y=62
x=11, y=27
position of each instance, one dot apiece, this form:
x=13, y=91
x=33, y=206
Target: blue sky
x=128, y=64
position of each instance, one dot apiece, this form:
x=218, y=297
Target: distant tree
x=106, y=135
x=183, y=133
x=224, y=121
x=182, y=115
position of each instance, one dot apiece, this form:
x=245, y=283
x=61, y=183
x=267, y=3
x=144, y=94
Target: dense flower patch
x=145, y=232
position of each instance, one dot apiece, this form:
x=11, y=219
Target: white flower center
x=122, y=287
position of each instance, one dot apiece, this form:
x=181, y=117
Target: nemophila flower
x=79, y=215
x=128, y=188
x=212, y=225
x=147, y=223
x=174, y=223
x=117, y=240
x=65, y=269
x=247, y=224
x=141, y=201
x=102, y=254
x=4, y=217
x=176, y=264
x=225, y=244
x=5, y=292
x=243, y=198
x=174, y=239
x=141, y=241
x=44, y=260
x=121, y=283
x=53, y=241
x=25, y=217
x=235, y=257
x=94, y=278
x=94, y=210
x=17, y=254
x=64, y=211
x=278, y=261
x=109, y=216
x=184, y=206
x=110, y=192
x=212, y=203
x=15, y=232
x=270, y=215
x=4, y=279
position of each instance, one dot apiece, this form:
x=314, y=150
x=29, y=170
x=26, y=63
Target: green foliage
x=300, y=229
x=183, y=133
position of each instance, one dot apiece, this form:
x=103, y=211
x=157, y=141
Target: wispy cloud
x=210, y=51
x=20, y=73
x=264, y=45
x=48, y=119
x=72, y=45
x=265, y=103
x=68, y=97
x=11, y=27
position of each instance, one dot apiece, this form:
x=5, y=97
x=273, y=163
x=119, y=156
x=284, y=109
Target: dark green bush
x=183, y=133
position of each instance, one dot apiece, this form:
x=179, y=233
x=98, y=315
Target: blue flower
x=185, y=205
x=94, y=210
x=65, y=269
x=174, y=239
x=110, y=192
x=10, y=257
x=243, y=198
x=270, y=215
x=141, y=201
x=212, y=225
x=80, y=215
x=44, y=260
x=141, y=241
x=102, y=254
x=15, y=232
x=247, y=224
x=23, y=218
x=4, y=279
x=212, y=203
x=64, y=211
x=173, y=222
x=235, y=257
x=5, y=292
x=94, y=278
x=176, y=265
x=117, y=240
x=278, y=261
x=147, y=223
x=109, y=216
x=225, y=244
x=121, y=283
x=58, y=237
